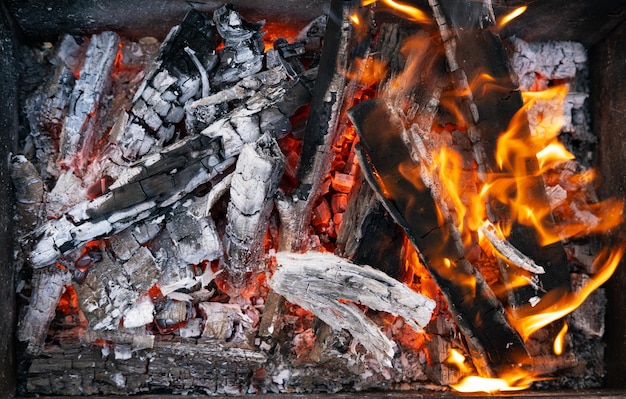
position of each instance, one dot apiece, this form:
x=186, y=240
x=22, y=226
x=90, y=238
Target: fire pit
x=211, y=231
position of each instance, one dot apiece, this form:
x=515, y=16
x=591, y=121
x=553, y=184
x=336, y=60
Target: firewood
x=472, y=50
x=48, y=285
x=173, y=79
x=411, y=198
x=330, y=287
x=255, y=181
x=333, y=94
x=160, y=180
x=29, y=192
x=78, y=134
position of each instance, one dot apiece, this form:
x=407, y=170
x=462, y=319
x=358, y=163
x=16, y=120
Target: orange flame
x=512, y=15
x=514, y=380
x=560, y=304
x=409, y=12
x=559, y=341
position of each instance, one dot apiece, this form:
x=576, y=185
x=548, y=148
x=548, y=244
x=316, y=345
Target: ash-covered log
x=331, y=287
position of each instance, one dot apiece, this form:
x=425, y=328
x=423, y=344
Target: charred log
x=389, y=168
x=473, y=49
x=330, y=287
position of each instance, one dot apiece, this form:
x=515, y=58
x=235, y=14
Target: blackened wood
x=608, y=93
x=472, y=49
x=171, y=365
x=387, y=164
x=48, y=285
x=80, y=131
x=253, y=188
x=8, y=144
x=369, y=235
x=332, y=94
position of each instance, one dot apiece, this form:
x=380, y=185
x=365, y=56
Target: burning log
x=29, y=191
x=408, y=195
x=331, y=287
x=252, y=190
x=474, y=51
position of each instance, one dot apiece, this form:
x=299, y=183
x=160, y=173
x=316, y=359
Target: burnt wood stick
x=174, y=78
x=369, y=235
x=79, y=133
x=48, y=286
x=387, y=164
x=332, y=94
x=472, y=50
x=330, y=287
x=259, y=169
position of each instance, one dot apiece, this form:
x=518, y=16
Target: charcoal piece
x=330, y=287
x=48, y=285
x=255, y=181
x=243, y=46
x=80, y=131
x=29, y=191
x=174, y=79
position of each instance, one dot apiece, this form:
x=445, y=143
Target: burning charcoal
x=29, y=192
x=158, y=181
x=243, y=46
x=175, y=78
x=330, y=287
x=48, y=285
x=107, y=294
x=173, y=315
x=253, y=187
x=222, y=320
x=80, y=133
x=333, y=93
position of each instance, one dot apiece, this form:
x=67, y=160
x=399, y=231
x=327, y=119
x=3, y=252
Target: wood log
x=79, y=133
x=333, y=93
x=472, y=49
x=173, y=79
x=494, y=345
x=48, y=285
x=330, y=287
x=255, y=182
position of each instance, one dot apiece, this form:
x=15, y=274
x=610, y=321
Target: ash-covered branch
x=48, y=286
x=255, y=181
x=331, y=287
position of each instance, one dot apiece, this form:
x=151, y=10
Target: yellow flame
x=559, y=341
x=606, y=262
x=514, y=380
x=355, y=19
x=408, y=11
x=512, y=15
x=457, y=359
